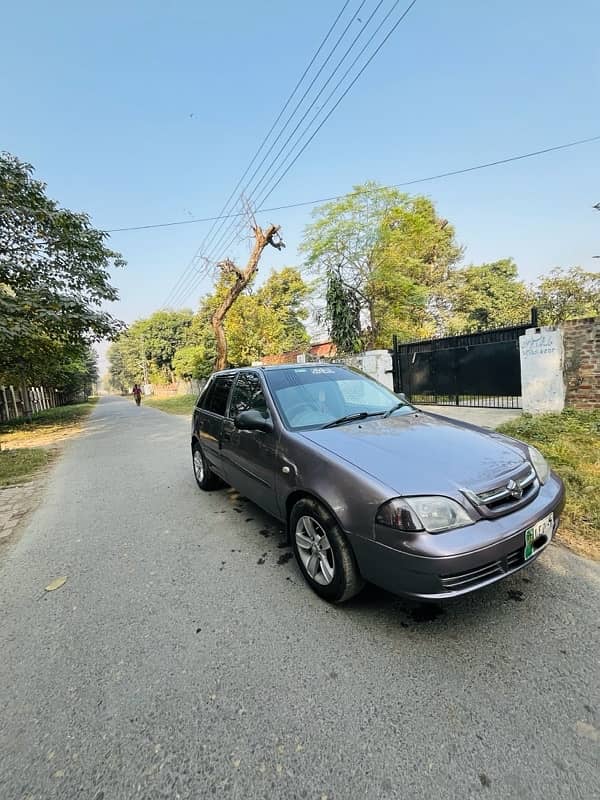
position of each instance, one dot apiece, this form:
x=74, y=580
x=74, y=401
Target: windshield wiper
x=391, y=410
x=351, y=418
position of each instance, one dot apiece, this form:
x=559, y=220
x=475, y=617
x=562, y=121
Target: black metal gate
x=473, y=369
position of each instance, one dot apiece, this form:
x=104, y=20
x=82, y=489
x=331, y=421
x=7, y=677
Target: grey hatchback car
x=371, y=488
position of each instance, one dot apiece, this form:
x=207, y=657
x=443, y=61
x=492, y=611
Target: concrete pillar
x=377, y=364
x=542, y=380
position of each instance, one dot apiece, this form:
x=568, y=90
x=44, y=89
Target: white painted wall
x=542, y=380
x=376, y=363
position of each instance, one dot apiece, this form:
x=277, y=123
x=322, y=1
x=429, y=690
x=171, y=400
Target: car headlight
x=540, y=464
x=431, y=514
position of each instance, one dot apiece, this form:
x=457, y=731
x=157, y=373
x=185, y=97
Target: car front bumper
x=441, y=566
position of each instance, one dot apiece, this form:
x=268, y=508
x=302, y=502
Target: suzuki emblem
x=514, y=490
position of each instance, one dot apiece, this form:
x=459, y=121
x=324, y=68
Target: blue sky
x=98, y=97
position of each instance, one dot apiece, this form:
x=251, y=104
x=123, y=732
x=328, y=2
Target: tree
x=381, y=251
x=415, y=255
x=342, y=314
x=484, y=296
x=240, y=279
x=284, y=294
x=159, y=337
x=268, y=321
x=147, y=349
x=54, y=274
x=567, y=294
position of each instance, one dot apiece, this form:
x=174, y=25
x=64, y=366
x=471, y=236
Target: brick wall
x=581, y=338
x=320, y=350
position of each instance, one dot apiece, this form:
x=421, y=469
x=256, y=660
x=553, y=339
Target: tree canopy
x=567, y=294
x=379, y=252
x=54, y=279
x=265, y=321
x=484, y=296
x=148, y=348
x=389, y=264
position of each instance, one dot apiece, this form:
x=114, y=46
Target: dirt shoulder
x=28, y=449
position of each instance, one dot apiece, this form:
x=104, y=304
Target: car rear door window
x=248, y=394
x=216, y=398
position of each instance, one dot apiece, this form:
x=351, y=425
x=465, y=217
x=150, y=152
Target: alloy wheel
x=315, y=550
x=198, y=466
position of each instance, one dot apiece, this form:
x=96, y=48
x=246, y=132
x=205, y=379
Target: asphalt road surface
x=185, y=658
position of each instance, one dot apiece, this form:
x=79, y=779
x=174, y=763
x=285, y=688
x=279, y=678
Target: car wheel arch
x=303, y=494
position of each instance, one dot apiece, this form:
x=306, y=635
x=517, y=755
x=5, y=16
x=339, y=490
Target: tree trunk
x=242, y=279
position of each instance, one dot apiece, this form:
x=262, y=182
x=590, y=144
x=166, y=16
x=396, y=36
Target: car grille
x=501, y=500
x=465, y=580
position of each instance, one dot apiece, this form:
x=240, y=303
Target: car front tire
x=323, y=553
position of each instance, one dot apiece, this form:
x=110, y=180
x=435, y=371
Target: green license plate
x=542, y=528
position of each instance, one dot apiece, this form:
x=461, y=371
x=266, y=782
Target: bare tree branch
x=262, y=238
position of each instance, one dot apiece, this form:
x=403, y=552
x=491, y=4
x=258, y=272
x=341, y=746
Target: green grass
x=45, y=427
x=60, y=414
x=571, y=443
x=17, y=465
x=180, y=404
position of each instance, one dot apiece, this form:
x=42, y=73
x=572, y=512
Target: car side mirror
x=402, y=397
x=253, y=420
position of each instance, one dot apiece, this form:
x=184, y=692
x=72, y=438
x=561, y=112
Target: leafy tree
x=76, y=373
x=266, y=322
x=160, y=336
x=484, y=296
x=567, y=294
x=194, y=361
x=284, y=294
x=384, y=251
x=54, y=274
x=119, y=375
x=342, y=314
x=148, y=348
x=415, y=255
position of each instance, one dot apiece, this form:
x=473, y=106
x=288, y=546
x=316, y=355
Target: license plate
x=542, y=528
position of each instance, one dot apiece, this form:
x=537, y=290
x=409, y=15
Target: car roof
x=279, y=367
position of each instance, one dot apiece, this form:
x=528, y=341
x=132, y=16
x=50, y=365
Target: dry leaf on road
x=56, y=584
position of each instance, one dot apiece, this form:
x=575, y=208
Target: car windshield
x=316, y=396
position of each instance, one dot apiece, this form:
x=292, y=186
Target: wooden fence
x=25, y=401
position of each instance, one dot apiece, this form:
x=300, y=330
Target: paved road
x=184, y=657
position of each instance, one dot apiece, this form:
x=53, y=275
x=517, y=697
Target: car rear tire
x=323, y=553
x=205, y=477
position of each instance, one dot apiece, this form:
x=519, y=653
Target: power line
x=267, y=194
x=439, y=175
x=195, y=280
x=227, y=206
x=223, y=231
x=344, y=93
x=313, y=102
x=306, y=92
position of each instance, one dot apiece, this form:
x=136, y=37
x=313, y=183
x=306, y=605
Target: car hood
x=423, y=454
